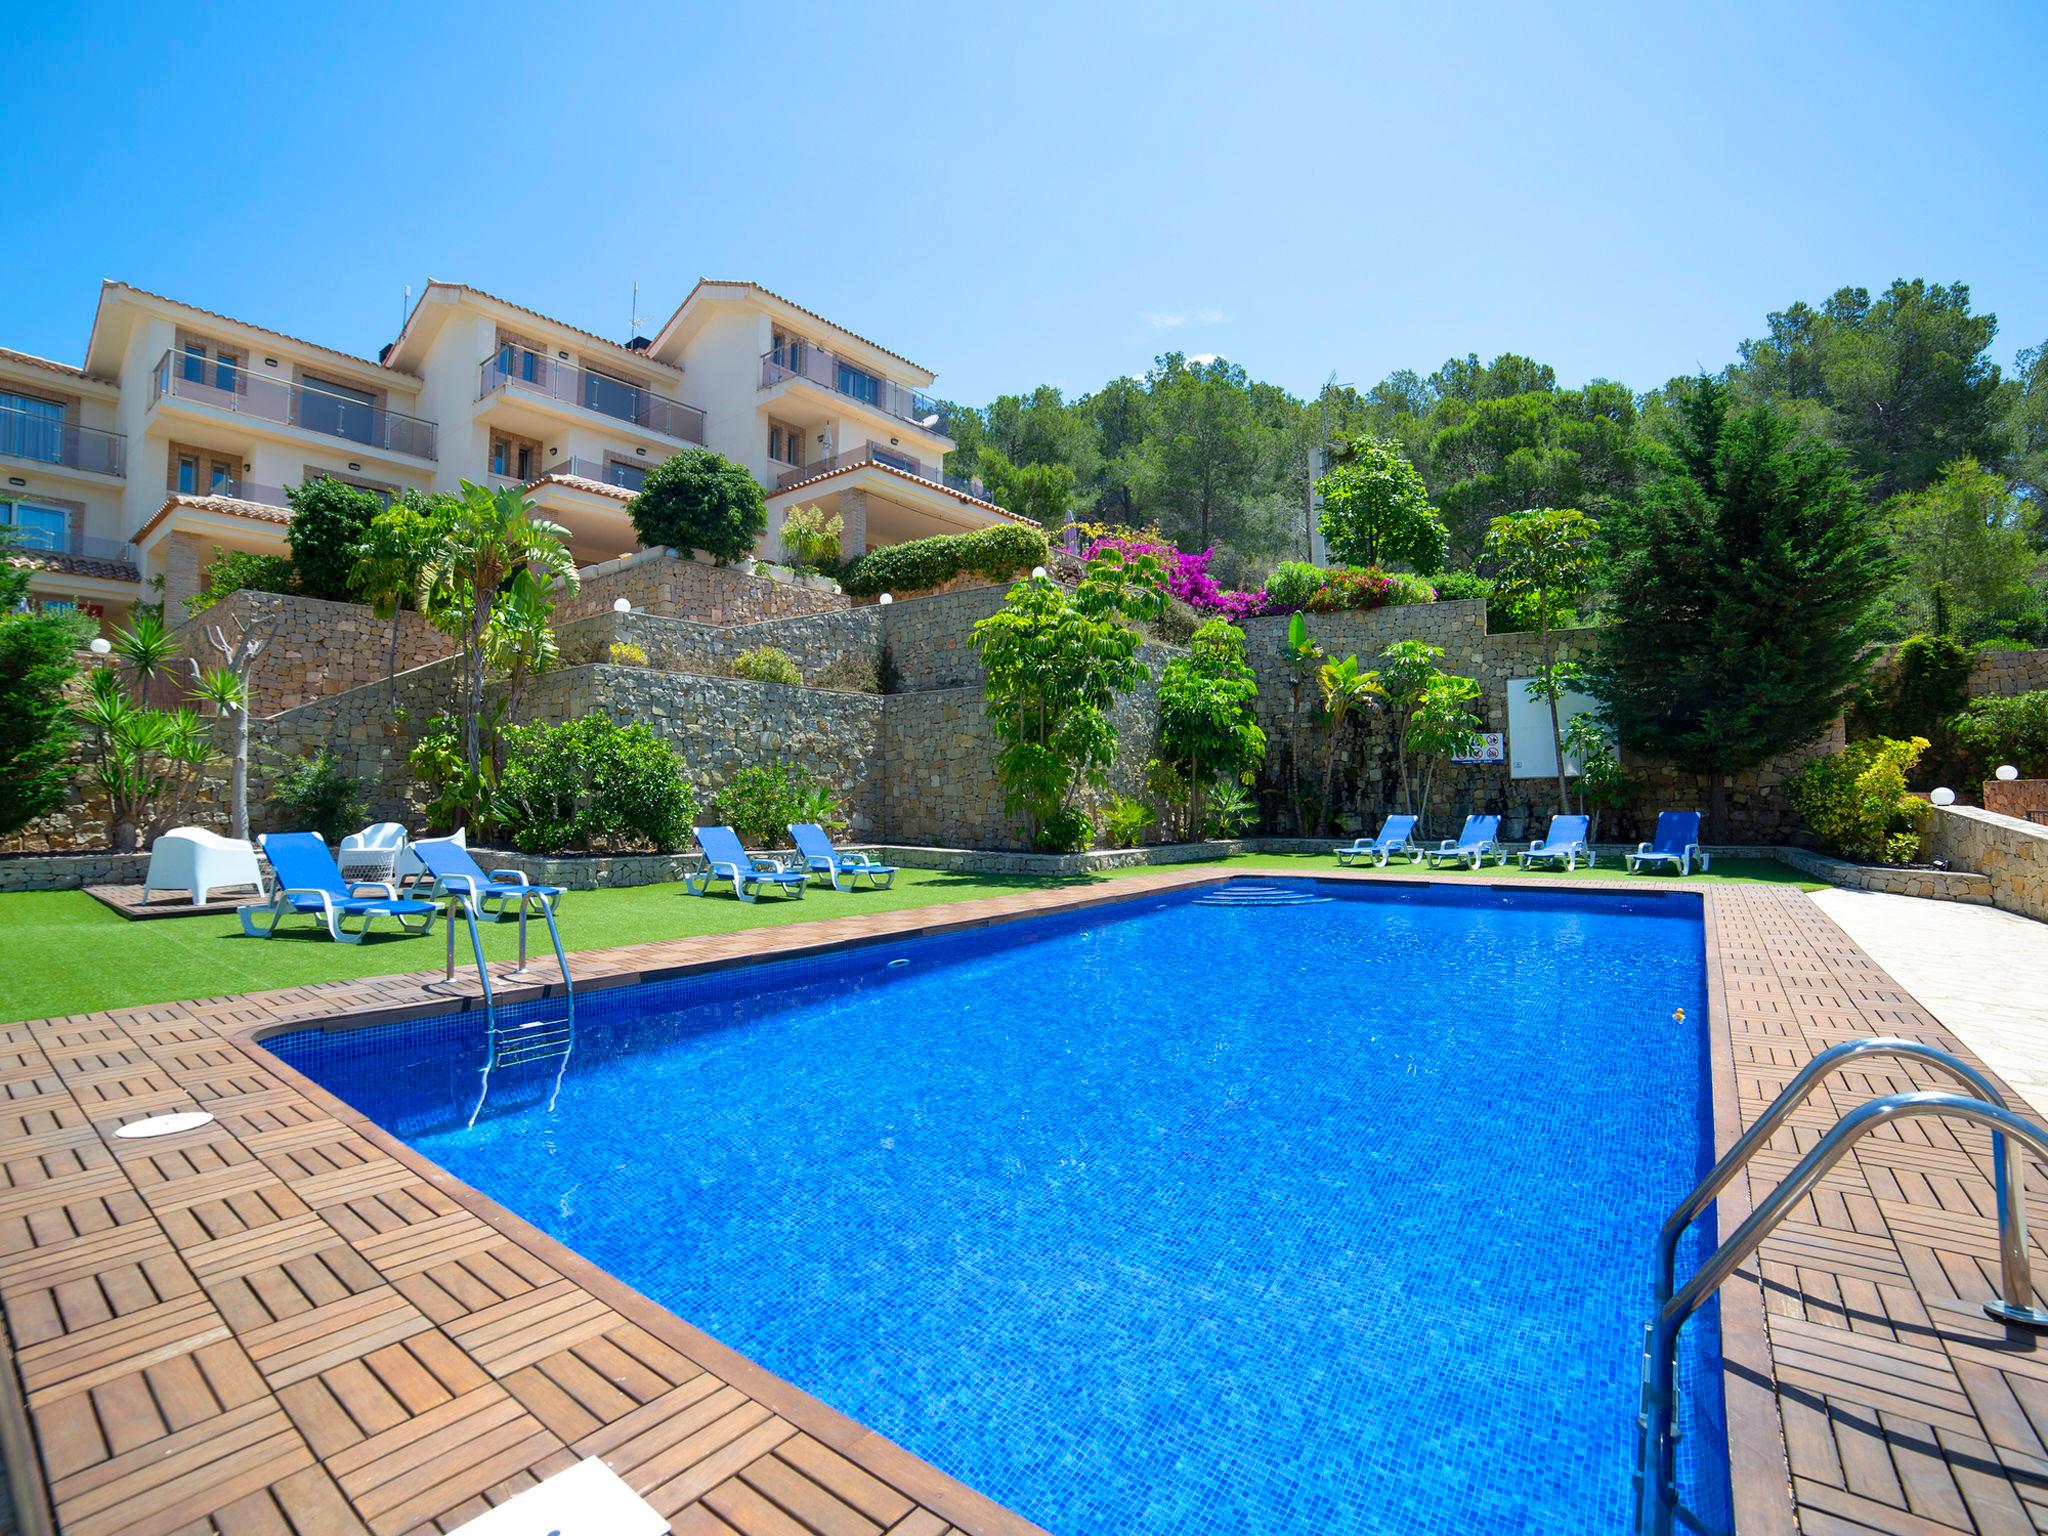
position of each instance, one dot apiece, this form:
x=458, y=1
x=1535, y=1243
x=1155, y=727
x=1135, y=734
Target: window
x=194, y=365
x=338, y=410
x=36, y=526
x=789, y=352
x=630, y=476
x=513, y=460
x=32, y=428
x=861, y=386
x=775, y=444
x=202, y=476
x=225, y=366
x=518, y=362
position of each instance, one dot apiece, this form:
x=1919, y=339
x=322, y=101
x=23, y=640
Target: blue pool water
x=1163, y=1217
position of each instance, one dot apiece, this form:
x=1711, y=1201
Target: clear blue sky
x=1015, y=195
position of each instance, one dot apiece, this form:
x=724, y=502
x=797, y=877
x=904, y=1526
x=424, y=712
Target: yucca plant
x=146, y=762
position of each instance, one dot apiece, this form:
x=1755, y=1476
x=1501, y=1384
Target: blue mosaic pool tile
x=1159, y=1217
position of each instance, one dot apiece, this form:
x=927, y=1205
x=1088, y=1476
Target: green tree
x=329, y=520
x=1903, y=382
x=389, y=558
x=145, y=763
x=1439, y=727
x=2027, y=428
x=1042, y=492
x=1742, y=624
x=1202, y=463
x=1376, y=510
x=1966, y=547
x=700, y=500
x=1344, y=688
x=1055, y=663
x=489, y=537
x=1408, y=672
x=1544, y=561
x=1206, y=725
x=38, y=659
x=520, y=642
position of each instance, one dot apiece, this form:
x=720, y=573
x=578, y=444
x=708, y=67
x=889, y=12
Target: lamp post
x=1318, y=461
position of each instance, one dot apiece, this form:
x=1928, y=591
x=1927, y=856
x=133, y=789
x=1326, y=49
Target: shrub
x=37, y=659
x=456, y=795
x=997, y=553
x=592, y=783
x=1068, y=831
x=1461, y=586
x=2009, y=730
x=810, y=537
x=1925, y=686
x=761, y=800
x=852, y=674
x=1231, y=810
x=1855, y=800
x=313, y=794
x=700, y=500
x=624, y=653
x=1406, y=588
x=237, y=570
x=767, y=664
x=1345, y=591
x=329, y=521
x=1125, y=822
x=1292, y=583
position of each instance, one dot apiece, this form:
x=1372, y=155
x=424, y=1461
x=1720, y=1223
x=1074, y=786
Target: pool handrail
x=1795, y=1093
x=1657, y=1506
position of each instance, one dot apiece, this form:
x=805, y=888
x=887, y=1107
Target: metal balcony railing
x=807, y=360
x=611, y=472
x=263, y=398
x=878, y=453
x=244, y=490
x=44, y=440
x=42, y=541
x=516, y=368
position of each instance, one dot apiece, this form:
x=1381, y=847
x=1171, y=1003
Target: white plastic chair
x=198, y=860
x=372, y=854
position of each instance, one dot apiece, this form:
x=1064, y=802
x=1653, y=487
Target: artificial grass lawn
x=62, y=952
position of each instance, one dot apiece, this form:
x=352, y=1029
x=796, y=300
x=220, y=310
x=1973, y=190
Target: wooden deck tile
x=287, y=1323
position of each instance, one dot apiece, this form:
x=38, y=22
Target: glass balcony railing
x=807, y=360
x=516, y=368
x=241, y=490
x=877, y=453
x=611, y=472
x=48, y=541
x=329, y=411
x=50, y=440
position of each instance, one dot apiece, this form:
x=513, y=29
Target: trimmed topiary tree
x=698, y=500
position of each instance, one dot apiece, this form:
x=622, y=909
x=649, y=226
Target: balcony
x=807, y=360
x=515, y=368
x=625, y=476
x=875, y=453
x=43, y=440
x=329, y=412
x=245, y=490
x=63, y=549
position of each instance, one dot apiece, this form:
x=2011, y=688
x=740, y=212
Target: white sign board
x=1492, y=748
x=1530, y=753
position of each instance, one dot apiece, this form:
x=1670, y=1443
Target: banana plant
x=1345, y=686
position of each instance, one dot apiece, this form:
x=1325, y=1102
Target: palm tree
x=1344, y=687
x=520, y=643
x=145, y=647
x=490, y=537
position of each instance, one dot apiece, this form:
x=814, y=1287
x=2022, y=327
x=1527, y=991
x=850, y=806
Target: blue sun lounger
x=821, y=858
x=456, y=873
x=308, y=883
x=1397, y=836
x=725, y=859
x=1565, y=840
x=1473, y=843
x=1677, y=842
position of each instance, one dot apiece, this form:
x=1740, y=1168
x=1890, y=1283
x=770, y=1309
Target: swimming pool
x=1330, y=1210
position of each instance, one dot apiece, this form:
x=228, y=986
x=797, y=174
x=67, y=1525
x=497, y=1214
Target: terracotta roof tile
x=433, y=282
x=229, y=506
x=33, y=361
x=904, y=474
x=73, y=565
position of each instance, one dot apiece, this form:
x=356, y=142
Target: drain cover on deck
x=589, y=1499
x=165, y=1125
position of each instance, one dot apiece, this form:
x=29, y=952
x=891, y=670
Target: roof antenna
x=405, y=307
x=635, y=320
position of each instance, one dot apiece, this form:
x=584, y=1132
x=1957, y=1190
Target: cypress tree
x=1744, y=620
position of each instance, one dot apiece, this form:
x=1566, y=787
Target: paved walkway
x=1982, y=972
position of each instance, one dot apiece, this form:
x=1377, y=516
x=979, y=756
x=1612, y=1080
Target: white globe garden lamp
x=622, y=605
x=1943, y=797
x=2007, y=772
x=101, y=645
x=885, y=599
x=1038, y=573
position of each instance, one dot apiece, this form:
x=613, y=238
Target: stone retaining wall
x=2023, y=799
x=316, y=648
x=71, y=871
x=2010, y=855
x=664, y=583
x=2001, y=674
x=839, y=649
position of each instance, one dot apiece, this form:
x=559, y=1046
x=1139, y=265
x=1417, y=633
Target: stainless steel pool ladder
x=516, y=1045
x=1658, y=1510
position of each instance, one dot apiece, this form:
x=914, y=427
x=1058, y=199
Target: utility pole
x=1318, y=464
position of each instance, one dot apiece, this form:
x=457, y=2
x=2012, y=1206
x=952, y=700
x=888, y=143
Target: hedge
x=997, y=553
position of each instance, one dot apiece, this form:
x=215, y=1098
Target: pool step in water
x=1257, y=896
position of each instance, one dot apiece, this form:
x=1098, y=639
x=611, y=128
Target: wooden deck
x=288, y=1322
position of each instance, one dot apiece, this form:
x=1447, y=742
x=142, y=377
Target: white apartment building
x=177, y=436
